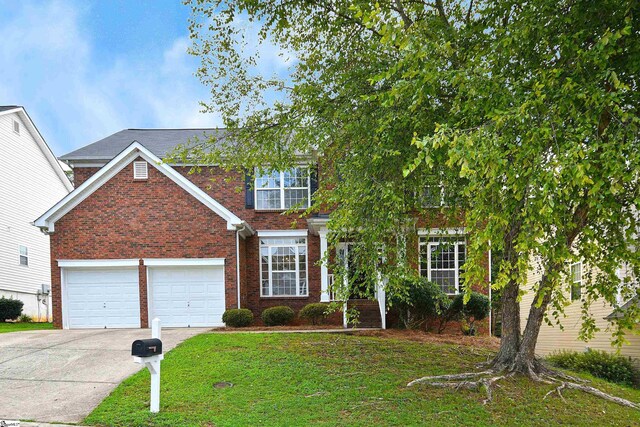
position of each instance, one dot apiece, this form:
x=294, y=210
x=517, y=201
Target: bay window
x=283, y=267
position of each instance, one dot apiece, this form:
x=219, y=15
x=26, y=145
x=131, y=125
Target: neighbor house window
x=576, y=280
x=283, y=190
x=442, y=260
x=283, y=267
x=24, y=255
x=16, y=127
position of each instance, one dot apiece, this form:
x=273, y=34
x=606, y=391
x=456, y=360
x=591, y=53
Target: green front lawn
x=17, y=327
x=337, y=379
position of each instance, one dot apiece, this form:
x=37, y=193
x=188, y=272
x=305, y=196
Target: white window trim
x=572, y=282
x=281, y=188
x=20, y=255
x=282, y=233
x=297, y=262
x=429, y=244
x=16, y=124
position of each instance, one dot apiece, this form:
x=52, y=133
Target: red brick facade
x=155, y=218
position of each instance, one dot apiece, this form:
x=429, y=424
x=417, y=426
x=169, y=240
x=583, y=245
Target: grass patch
x=17, y=327
x=337, y=379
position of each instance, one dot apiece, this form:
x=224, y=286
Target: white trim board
x=47, y=221
x=460, y=231
x=177, y=262
x=283, y=233
x=90, y=263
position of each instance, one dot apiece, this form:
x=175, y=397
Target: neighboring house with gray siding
x=31, y=180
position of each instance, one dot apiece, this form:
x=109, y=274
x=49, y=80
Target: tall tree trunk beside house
x=527, y=113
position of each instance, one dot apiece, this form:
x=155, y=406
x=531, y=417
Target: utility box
x=146, y=348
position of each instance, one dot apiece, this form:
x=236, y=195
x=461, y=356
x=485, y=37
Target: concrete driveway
x=61, y=376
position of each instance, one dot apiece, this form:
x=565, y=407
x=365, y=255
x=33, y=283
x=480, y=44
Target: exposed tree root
x=536, y=371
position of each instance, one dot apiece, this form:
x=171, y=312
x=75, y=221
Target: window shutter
x=249, y=202
x=313, y=180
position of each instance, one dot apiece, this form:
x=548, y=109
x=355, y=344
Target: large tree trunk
x=510, y=336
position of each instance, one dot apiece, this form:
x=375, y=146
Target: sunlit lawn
x=338, y=379
x=16, y=327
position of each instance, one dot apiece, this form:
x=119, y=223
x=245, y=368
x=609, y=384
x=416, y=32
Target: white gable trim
x=42, y=144
x=47, y=221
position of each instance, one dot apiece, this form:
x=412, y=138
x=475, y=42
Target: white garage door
x=102, y=298
x=187, y=296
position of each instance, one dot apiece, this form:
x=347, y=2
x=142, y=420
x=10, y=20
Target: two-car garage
x=106, y=293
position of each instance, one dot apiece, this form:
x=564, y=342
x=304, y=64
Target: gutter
x=238, y=231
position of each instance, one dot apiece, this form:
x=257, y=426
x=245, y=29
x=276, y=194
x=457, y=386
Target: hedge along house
x=139, y=239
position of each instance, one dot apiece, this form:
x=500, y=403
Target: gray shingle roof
x=8, y=107
x=158, y=141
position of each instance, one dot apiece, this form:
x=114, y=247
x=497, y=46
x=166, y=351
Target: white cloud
x=49, y=67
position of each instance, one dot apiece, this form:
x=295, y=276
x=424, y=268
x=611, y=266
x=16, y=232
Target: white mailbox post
x=153, y=364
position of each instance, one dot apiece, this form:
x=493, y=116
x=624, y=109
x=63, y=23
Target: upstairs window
x=283, y=190
x=442, y=260
x=16, y=127
x=24, y=256
x=140, y=170
x=283, y=267
x=576, y=280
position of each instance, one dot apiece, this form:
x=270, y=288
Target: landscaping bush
x=314, y=312
x=10, y=309
x=25, y=318
x=278, y=316
x=610, y=367
x=476, y=309
x=424, y=301
x=238, y=317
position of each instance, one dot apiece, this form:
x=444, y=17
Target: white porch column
x=324, y=271
x=382, y=301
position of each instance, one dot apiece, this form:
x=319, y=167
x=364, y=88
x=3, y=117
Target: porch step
x=369, y=313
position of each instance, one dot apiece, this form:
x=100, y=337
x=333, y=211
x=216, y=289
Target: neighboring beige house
x=553, y=338
x=31, y=180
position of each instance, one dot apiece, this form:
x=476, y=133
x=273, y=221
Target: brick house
x=139, y=239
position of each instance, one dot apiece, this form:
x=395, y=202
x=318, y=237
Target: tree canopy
x=526, y=112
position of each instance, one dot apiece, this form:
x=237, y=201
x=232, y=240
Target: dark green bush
x=423, y=302
x=610, y=367
x=10, y=309
x=314, y=312
x=477, y=308
x=238, y=317
x=278, y=316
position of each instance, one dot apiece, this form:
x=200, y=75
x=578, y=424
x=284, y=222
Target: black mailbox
x=146, y=348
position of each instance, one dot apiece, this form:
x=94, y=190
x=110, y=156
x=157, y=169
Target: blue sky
x=85, y=69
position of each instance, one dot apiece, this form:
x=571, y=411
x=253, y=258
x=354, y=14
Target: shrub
x=10, y=309
x=610, y=367
x=278, y=316
x=477, y=308
x=423, y=302
x=238, y=317
x=314, y=312
x=25, y=318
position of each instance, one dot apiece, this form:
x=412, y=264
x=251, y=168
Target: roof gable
x=47, y=221
x=37, y=137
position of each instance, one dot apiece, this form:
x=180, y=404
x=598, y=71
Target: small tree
x=423, y=302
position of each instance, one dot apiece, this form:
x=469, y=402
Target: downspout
x=238, y=262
